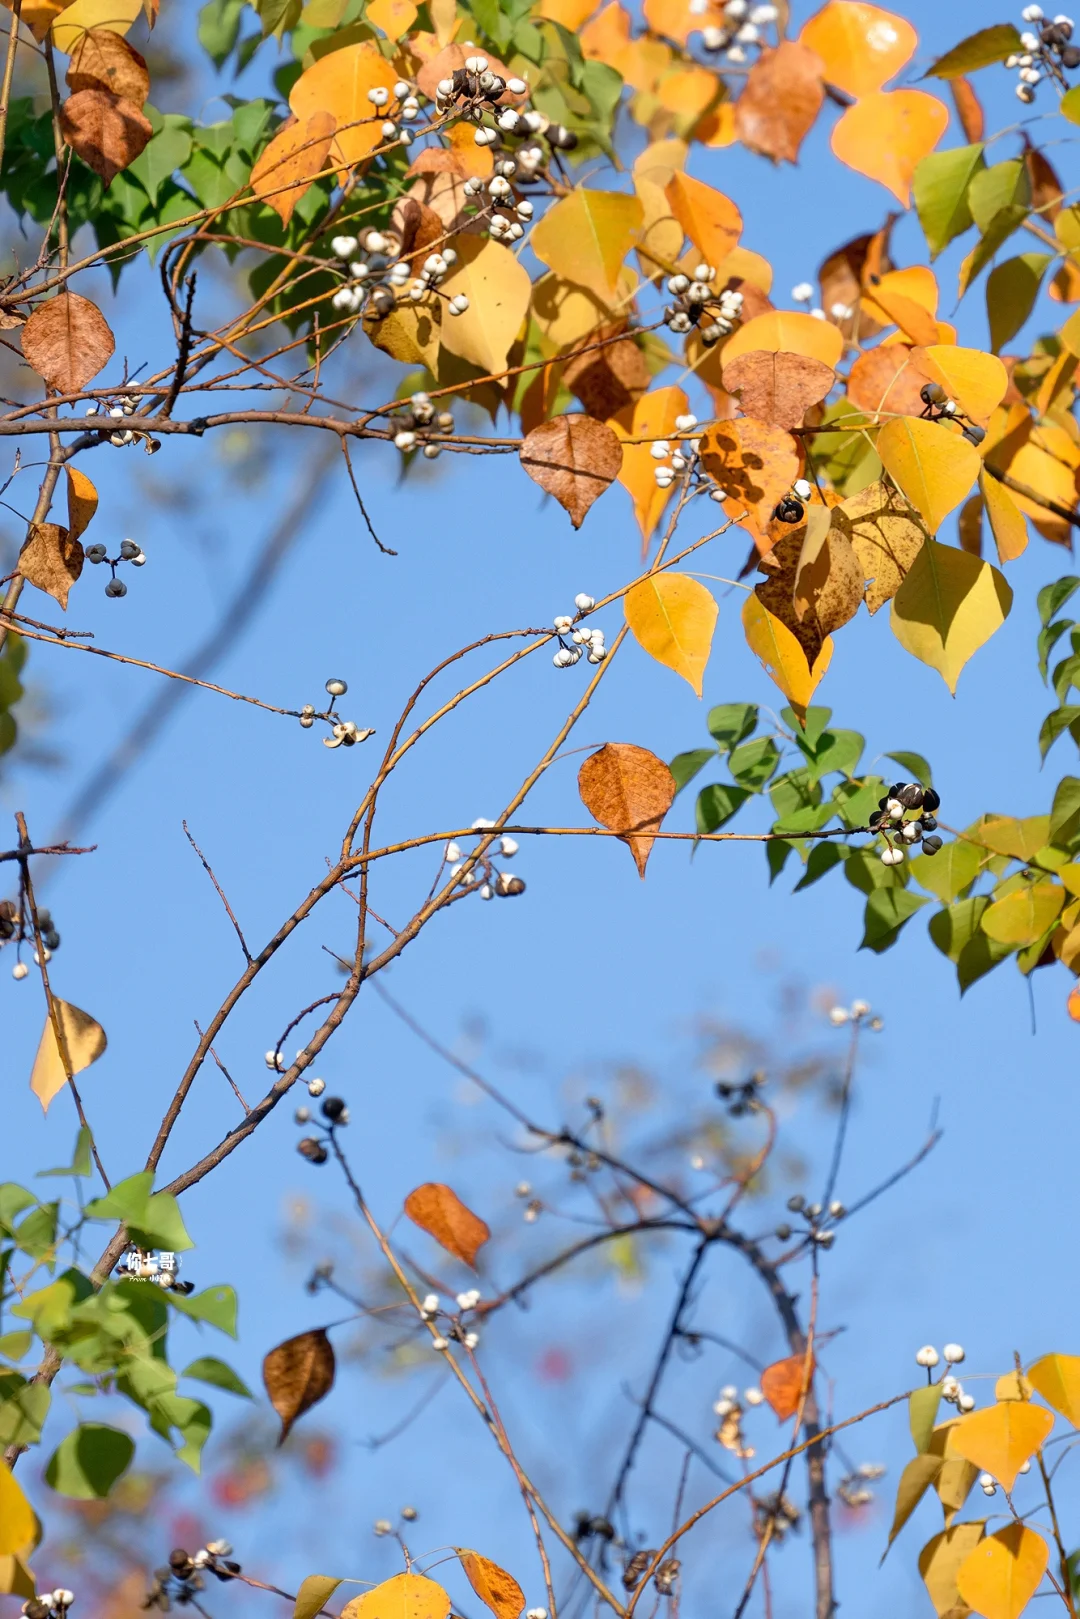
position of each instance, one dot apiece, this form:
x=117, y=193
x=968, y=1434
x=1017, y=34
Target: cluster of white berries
x=582, y=640
x=510, y=225
x=343, y=733
x=49, y=1603
x=817, y=1217
x=951, y=1388
x=857, y=1012
x=490, y=883
x=376, y=280
x=476, y=90
x=682, y=457
x=854, y=1489
x=742, y=26
x=803, y=293
x=729, y=1399
x=18, y=926
x=123, y=436
x=430, y=1307
x=698, y=303
x=411, y=427
x=406, y=101
x=277, y=1064
x=1043, y=54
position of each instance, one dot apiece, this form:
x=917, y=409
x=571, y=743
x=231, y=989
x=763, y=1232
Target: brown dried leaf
x=753, y=463
x=439, y=1211
x=607, y=380
x=103, y=60
x=297, y=1375
x=418, y=228
x=574, y=458
x=1047, y=191
x=106, y=131
x=782, y=97
x=844, y=273
x=442, y=191
x=777, y=388
x=297, y=153
x=828, y=578
x=887, y=379
x=886, y=535
x=785, y=1382
x=52, y=560
x=82, y=501
x=968, y=109
x=496, y=1589
x=628, y=790
x=67, y=341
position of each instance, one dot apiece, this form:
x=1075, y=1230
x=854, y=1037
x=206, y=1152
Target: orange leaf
x=338, y=84
x=861, y=45
x=439, y=1211
x=789, y=332
x=293, y=158
x=968, y=109
x=784, y=1384
x=710, y=220
x=393, y=17
x=1072, y=1005
x=780, y=101
x=777, y=388
x=496, y=1589
x=887, y=134
x=404, y=1596
x=1000, y=1577
x=1057, y=1378
x=82, y=501
x=781, y=655
x=887, y=380
x=753, y=463
x=651, y=417
x=1003, y=1437
x=628, y=790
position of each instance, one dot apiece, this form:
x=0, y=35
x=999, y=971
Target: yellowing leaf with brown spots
x=84, y=1041
x=781, y=655
x=999, y=1578
x=498, y=289
x=932, y=465
x=650, y=417
x=496, y=1589
x=575, y=459
x=406, y=1596
x=1000, y=1439
x=52, y=560
x=887, y=134
x=786, y=331
x=976, y=381
x=1057, y=1379
x=672, y=617
x=438, y=1210
x=710, y=220
x=949, y=604
x=628, y=790
x=861, y=46
x=338, y=84
x=586, y=237
x=290, y=163
x=886, y=536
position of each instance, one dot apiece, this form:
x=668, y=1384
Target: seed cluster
x=819, y=1223
x=715, y=311
x=742, y=28
x=892, y=819
x=118, y=407
x=413, y=426
x=343, y=733
x=791, y=507
x=804, y=294
x=155, y=1265
x=129, y=551
x=576, y=639
x=18, y=926
x=1045, y=54
x=333, y=1109
x=49, y=1604
x=181, y=1579
x=938, y=407
x=489, y=880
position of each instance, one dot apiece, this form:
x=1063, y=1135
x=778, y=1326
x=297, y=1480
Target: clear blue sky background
x=591, y=967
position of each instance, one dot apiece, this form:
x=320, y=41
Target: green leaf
x=210, y=1370
x=1004, y=185
x=1066, y=675
x=49, y=1308
x=817, y=718
x=957, y=934
x=152, y=1218
x=856, y=801
x=922, y=1414
x=865, y=871
x=89, y=1461
x=717, y=803
x=989, y=45
x=314, y=1593
x=997, y=233
x=1052, y=598
x=834, y=750
x=1056, y=724
x=777, y=851
x=1011, y=290
x=14, y=1345
x=823, y=858
x=23, y=1413
x=732, y=723
x=219, y=26
x=1048, y=638
x=887, y=910
x=167, y=150
x=915, y=765
x=940, y=189
x=80, y=1163
x=685, y=766
x=214, y=1305
x=947, y=873
x=36, y=1234
x=1065, y=814
x=915, y=1480
x=13, y=1200
x=754, y=763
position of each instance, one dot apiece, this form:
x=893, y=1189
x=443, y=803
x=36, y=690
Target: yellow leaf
x=82, y=501
x=571, y=13
x=672, y=616
x=16, y=1580
x=1024, y=916
x=1057, y=1378
x=1006, y=519
x=1013, y=1386
x=291, y=161
x=931, y=465
x=977, y=381
x=84, y=1040
x=115, y=15
x=710, y=220
x=1000, y=1439
x=861, y=45
x=338, y=83
x=887, y=133
x=947, y=606
x=19, y=1531
x=410, y=332
x=785, y=331
x=650, y=417
x=496, y=1589
x=393, y=17
x=586, y=237
x=781, y=655
x=999, y=1578
x=939, y=1562
x=498, y=289
x=406, y=1596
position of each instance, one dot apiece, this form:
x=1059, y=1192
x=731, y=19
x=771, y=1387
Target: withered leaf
x=67, y=341
x=297, y=1374
x=103, y=60
x=887, y=378
x=84, y=1041
x=409, y=333
x=828, y=578
x=752, y=462
x=106, y=131
x=439, y=1211
x=496, y=1589
x=609, y=379
x=574, y=458
x=783, y=1384
x=628, y=790
x=777, y=388
x=51, y=559
x=419, y=228
x=782, y=97
x=886, y=536
x=844, y=273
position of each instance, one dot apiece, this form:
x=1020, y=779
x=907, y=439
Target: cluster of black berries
x=17, y=925
x=335, y=1112
x=1043, y=54
x=590, y=1527
x=742, y=1097
x=181, y=1579
x=938, y=407
x=891, y=820
x=791, y=509
x=817, y=1220
x=129, y=552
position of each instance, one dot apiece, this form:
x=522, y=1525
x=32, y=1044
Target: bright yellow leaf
x=672, y=616
x=498, y=289
x=710, y=220
x=393, y=17
x=947, y=606
x=887, y=134
x=564, y=312
x=861, y=45
x=1006, y=518
x=933, y=467
x=977, y=381
x=1023, y=916
x=940, y=1560
x=651, y=417
x=785, y=331
x=115, y=15
x=338, y=83
x=782, y=656
x=1000, y=1439
x=19, y=1532
x=84, y=1040
x=586, y=237
x=999, y=1578
x=1057, y=1378
x=406, y=1596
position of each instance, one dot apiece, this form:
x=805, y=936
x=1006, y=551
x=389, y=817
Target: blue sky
x=590, y=968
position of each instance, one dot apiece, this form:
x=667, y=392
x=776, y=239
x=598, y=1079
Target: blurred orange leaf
x=438, y=1210
x=887, y=134
x=784, y=1384
x=861, y=45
